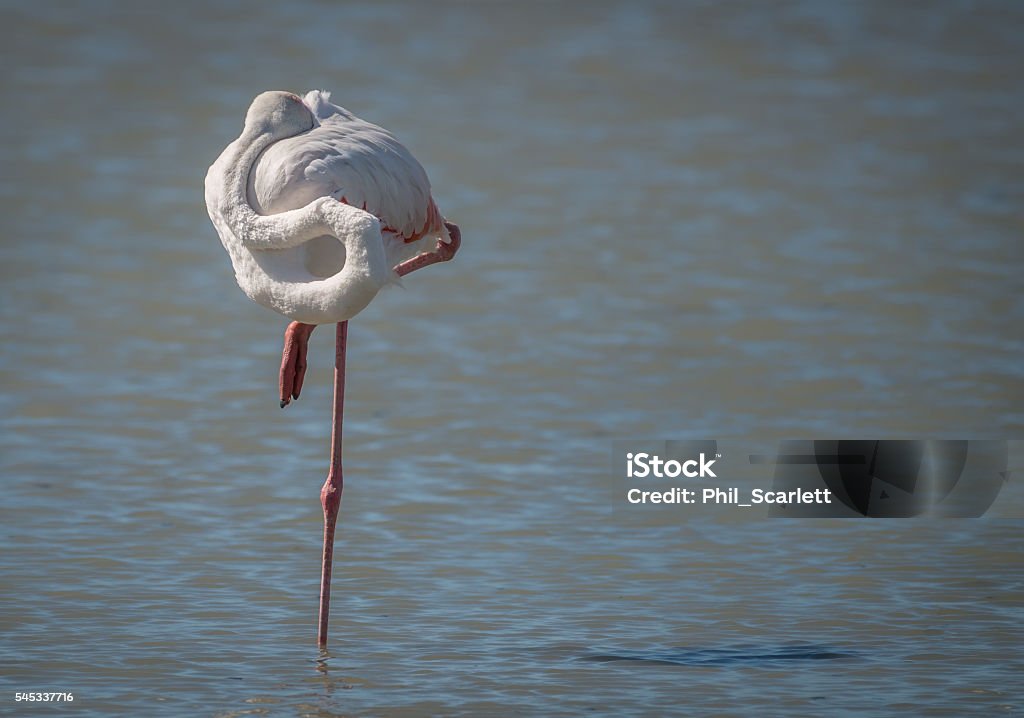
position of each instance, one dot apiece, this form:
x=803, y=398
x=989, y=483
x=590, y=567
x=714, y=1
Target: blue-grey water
x=794, y=220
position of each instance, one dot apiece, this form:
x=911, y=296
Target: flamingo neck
x=241, y=157
x=269, y=251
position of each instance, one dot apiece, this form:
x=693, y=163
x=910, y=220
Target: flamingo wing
x=353, y=161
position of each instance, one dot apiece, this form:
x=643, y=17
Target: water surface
x=680, y=220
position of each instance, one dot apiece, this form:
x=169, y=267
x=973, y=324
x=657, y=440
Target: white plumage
x=316, y=206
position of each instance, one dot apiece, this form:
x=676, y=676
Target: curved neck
x=250, y=234
x=239, y=160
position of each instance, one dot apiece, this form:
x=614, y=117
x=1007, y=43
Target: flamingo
x=318, y=211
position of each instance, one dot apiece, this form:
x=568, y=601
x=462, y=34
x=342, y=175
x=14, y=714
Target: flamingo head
x=282, y=113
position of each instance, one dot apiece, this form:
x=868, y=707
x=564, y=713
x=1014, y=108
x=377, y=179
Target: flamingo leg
x=293, y=361
x=293, y=370
x=442, y=253
x=330, y=494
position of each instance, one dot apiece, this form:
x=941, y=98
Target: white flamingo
x=318, y=211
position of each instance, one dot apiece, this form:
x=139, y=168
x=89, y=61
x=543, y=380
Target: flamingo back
x=355, y=162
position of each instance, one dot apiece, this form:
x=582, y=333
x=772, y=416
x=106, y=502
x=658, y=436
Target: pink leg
x=293, y=370
x=293, y=360
x=442, y=253
x=330, y=494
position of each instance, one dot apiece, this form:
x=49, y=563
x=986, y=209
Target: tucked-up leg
x=293, y=360
x=442, y=253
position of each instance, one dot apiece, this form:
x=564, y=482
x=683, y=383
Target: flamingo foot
x=293, y=360
x=442, y=253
